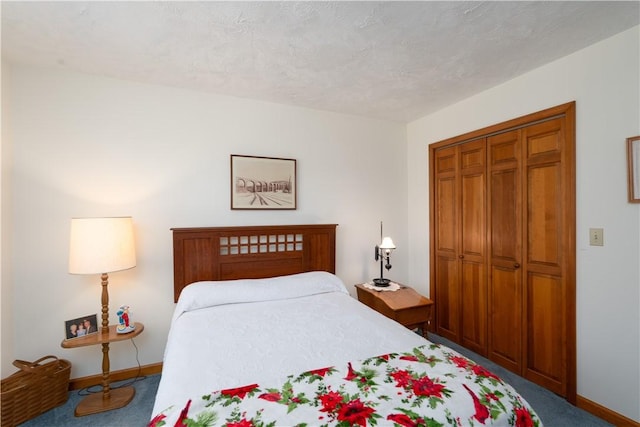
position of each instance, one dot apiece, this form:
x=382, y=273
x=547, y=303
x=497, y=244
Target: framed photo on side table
x=633, y=159
x=263, y=183
x=81, y=326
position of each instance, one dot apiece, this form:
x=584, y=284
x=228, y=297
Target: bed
x=265, y=333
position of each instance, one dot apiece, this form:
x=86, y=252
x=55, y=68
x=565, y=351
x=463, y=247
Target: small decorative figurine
x=125, y=323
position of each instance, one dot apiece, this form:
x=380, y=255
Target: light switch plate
x=596, y=237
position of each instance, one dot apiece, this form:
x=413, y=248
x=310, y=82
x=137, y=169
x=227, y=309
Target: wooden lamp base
x=97, y=402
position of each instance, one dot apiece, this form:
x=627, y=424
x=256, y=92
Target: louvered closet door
x=505, y=248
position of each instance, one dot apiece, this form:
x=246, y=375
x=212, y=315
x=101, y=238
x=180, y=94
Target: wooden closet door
x=508, y=290
x=445, y=242
x=472, y=245
x=505, y=250
x=547, y=217
x=460, y=244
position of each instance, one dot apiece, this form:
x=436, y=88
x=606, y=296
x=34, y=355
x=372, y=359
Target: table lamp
x=102, y=246
x=383, y=253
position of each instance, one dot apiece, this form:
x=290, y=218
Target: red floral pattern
x=429, y=385
x=241, y=392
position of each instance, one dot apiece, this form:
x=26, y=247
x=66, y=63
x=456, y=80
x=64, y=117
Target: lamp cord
x=91, y=389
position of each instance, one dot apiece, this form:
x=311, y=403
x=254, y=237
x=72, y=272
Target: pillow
x=211, y=293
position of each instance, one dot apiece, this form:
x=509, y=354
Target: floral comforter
x=429, y=385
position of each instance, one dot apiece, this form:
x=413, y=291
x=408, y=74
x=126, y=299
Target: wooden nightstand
x=109, y=398
x=405, y=306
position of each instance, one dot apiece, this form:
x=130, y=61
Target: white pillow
x=211, y=293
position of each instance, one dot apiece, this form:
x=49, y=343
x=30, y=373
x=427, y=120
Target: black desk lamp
x=383, y=253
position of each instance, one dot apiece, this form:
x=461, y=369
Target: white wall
x=92, y=146
x=604, y=81
x=6, y=289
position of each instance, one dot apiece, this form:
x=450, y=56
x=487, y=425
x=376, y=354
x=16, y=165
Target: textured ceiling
x=392, y=60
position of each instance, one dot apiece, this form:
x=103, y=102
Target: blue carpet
x=552, y=409
x=137, y=413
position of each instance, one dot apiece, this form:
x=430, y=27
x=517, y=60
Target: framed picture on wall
x=82, y=326
x=263, y=183
x=633, y=160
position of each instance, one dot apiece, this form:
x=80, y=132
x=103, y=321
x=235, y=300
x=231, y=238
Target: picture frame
x=633, y=165
x=263, y=183
x=88, y=324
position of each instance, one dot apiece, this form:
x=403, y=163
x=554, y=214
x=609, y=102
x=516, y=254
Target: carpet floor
x=552, y=409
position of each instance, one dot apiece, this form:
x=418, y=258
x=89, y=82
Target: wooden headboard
x=250, y=252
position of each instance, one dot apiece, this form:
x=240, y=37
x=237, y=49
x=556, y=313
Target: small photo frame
x=82, y=326
x=263, y=183
x=633, y=160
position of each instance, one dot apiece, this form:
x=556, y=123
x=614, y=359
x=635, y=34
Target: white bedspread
x=229, y=334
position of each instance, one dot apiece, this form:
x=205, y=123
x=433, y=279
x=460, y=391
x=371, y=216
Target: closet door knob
x=516, y=265
x=461, y=256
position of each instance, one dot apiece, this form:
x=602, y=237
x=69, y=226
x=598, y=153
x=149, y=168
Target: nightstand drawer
x=413, y=315
x=405, y=305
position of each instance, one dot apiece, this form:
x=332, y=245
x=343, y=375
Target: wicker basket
x=36, y=388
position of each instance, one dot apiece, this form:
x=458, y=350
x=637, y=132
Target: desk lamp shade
x=101, y=245
x=387, y=244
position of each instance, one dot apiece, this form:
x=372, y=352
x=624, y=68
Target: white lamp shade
x=387, y=243
x=101, y=245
